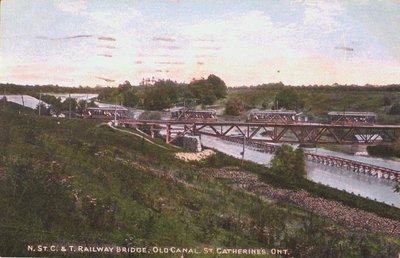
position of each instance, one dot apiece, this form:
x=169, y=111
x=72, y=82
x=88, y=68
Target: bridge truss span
x=296, y=133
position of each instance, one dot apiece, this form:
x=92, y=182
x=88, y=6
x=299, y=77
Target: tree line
x=166, y=93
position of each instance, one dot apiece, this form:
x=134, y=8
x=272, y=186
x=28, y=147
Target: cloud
x=105, y=55
x=63, y=38
x=138, y=62
x=163, y=39
x=108, y=17
x=345, y=48
x=205, y=40
x=204, y=55
x=42, y=73
x=105, y=79
x=167, y=55
x=105, y=46
x=200, y=63
x=106, y=38
x=71, y=6
x=210, y=48
x=170, y=63
x=171, y=47
x=117, y=18
x=323, y=15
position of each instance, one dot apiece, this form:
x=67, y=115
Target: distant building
x=349, y=117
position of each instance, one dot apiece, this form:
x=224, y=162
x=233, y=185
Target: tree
x=44, y=110
x=208, y=90
x=218, y=85
x=395, y=109
x=56, y=107
x=81, y=106
x=156, y=99
x=289, y=163
x=66, y=104
x=234, y=106
x=170, y=88
x=264, y=104
x=289, y=99
x=387, y=101
x=130, y=98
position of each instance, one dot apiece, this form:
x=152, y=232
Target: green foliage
x=288, y=98
x=387, y=101
x=128, y=94
x=219, y=87
x=166, y=93
x=289, y=164
x=208, y=90
x=155, y=98
x=317, y=101
x=69, y=103
x=384, y=151
x=10, y=88
x=44, y=110
x=150, y=115
x=395, y=109
x=234, y=105
x=74, y=181
x=125, y=93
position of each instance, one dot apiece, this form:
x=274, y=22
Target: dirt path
x=138, y=135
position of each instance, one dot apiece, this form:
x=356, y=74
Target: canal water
x=340, y=178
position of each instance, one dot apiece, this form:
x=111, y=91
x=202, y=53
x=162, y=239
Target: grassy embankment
x=78, y=182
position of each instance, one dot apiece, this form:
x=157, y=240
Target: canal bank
x=366, y=186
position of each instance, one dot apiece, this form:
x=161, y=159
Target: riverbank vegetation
x=384, y=151
x=76, y=181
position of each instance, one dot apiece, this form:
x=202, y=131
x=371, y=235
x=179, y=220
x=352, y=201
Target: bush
x=395, y=110
x=383, y=151
x=234, y=106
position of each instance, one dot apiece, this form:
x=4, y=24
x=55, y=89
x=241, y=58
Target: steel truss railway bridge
x=268, y=132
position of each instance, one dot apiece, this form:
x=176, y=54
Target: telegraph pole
x=244, y=143
x=4, y=96
x=40, y=102
x=69, y=101
x=115, y=111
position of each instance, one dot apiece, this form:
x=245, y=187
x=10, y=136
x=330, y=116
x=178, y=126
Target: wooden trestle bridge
x=295, y=133
x=355, y=166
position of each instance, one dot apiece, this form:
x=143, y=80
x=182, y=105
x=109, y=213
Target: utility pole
x=115, y=111
x=40, y=102
x=244, y=143
x=4, y=99
x=69, y=101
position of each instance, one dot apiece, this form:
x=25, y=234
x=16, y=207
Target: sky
x=244, y=42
